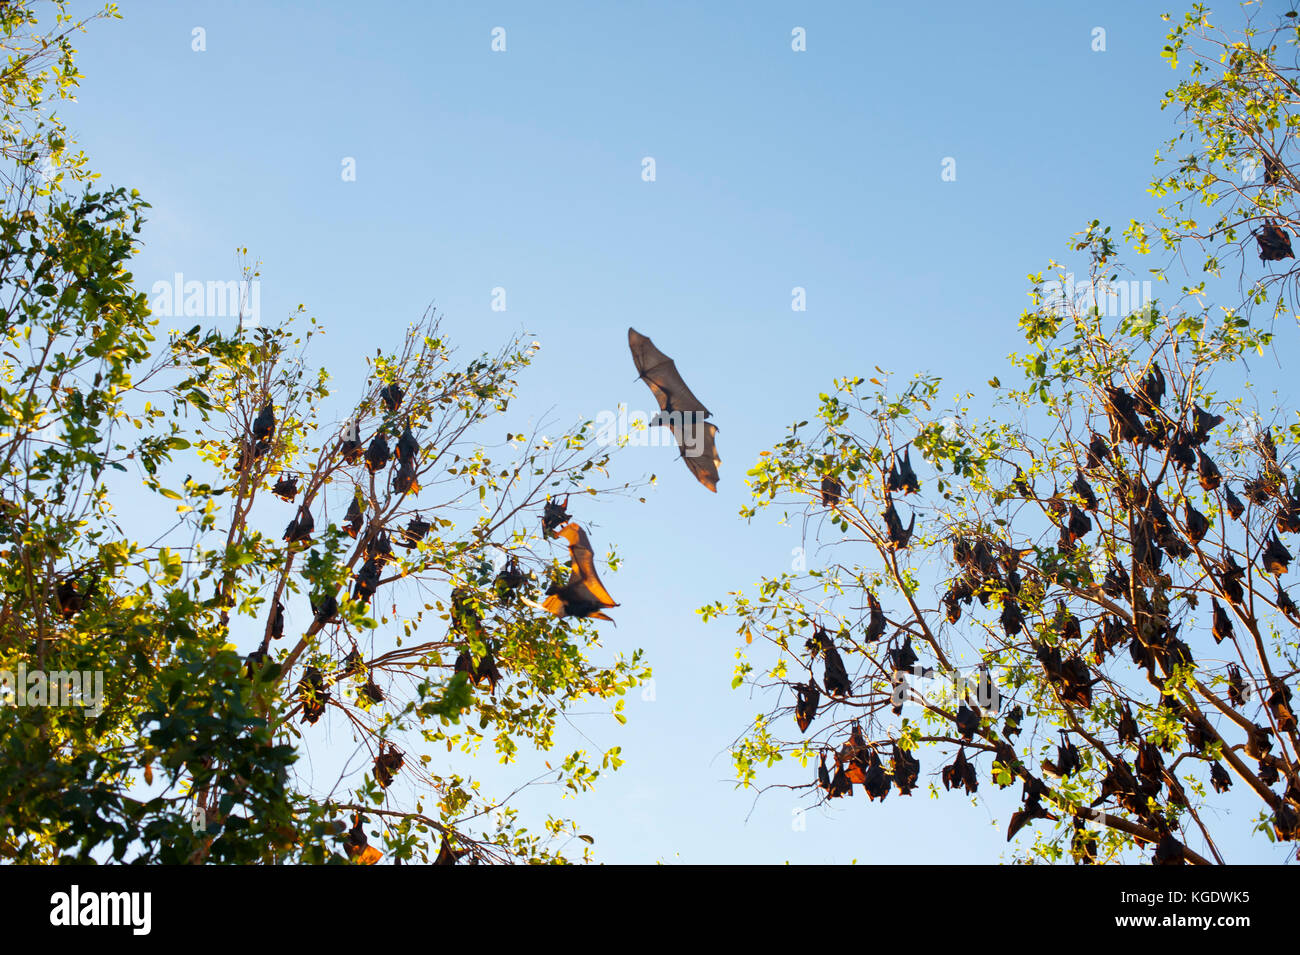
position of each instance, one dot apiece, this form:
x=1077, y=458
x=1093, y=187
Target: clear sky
x=774, y=169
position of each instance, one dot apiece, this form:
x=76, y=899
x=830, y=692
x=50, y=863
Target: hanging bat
x=378, y=454
x=300, y=528
x=901, y=476
x=1011, y=726
x=277, y=621
x=414, y=533
x=1233, y=503
x=264, y=423
x=823, y=775
x=840, y=785
x=906, y=770
x=554, y=515
x=357, y=845
x=405, y=480
x=1151, y=390
x=898, y=536
x=350, y=446
x=584, y=595
x=806, y=707
x=1169, y=851
x=877, y=781
x=1276, y=557
x=831, y=491
x=1127, y=727
x=326, y=610
x=834, y=677
x=1259, y=741
x=968, y=722
x=286, y=489
x=1219, y=779
x=511, y=576
x=380, y=548
x=1082, y=488
x=1221, y=624
x=960, y=773
x=1197, y=523
x=313, y=693
x=371, y=691
x=352, y=519
x=1288, y=607
x=1274, y=242
x=1280, y=704
x=407, y=447
x=367, y=581
x=447, y=855
x=353, y=665
x=1182, y=450
x=387, y=764
x=1272, y=171
x=1012, y=619
x=876, y=623
x=69, y=601
x=1067, y=759
x=904, y=658
x=1098, y=452
x=1288, y=518
x=1079, y=526
x=1258, y=490
x=1124, y=422
x=391, y=395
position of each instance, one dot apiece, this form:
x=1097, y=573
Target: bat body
x=286, y=489
x=264, y=424
x=391, y=396
x=1274, y=242
x=350, y=447
x=414, y=532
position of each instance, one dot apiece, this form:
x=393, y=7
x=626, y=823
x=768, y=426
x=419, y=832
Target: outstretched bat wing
x=700, y=450
x=584, y=586
x=659, y=372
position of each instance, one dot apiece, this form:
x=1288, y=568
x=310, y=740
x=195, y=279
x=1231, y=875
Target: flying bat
x=679, y=409
x=584, y=595
x=660, y=374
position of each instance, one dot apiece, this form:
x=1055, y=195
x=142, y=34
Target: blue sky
x=774, y=169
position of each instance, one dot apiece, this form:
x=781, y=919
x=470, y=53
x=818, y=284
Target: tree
x=1083, y=593
x=193, y=753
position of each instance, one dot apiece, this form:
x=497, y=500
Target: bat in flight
x=679, y=410
x=584, y=595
